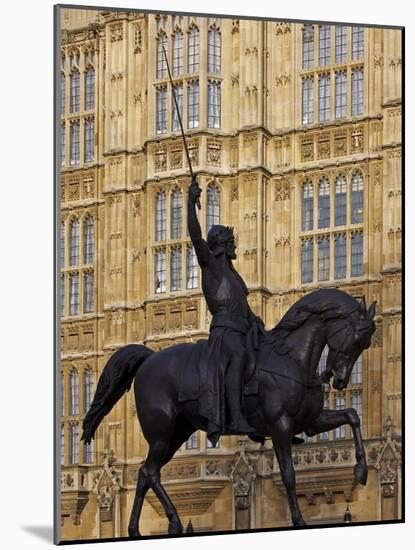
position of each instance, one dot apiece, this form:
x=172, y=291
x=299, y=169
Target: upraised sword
x=180, y=122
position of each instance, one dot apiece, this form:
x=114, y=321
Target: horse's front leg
x=329, y=420
x=282, y=432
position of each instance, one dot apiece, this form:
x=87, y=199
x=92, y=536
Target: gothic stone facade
x=295, y=132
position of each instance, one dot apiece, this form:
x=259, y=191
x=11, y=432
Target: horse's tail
x=115, y=380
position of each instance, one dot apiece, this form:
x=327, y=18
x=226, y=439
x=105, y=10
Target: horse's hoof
x=360, y=473
x=299, y=522
x=175, y=528
x=133, y=532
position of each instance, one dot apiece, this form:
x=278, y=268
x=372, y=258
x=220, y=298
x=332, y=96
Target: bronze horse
x=288, y=400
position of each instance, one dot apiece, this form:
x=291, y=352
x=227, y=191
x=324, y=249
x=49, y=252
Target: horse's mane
x=328, y=303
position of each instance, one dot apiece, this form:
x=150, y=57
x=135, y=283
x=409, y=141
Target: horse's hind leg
x=329, y=420
x=281, y=432
x=160, y=453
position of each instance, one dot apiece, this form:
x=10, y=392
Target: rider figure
x=226, y=296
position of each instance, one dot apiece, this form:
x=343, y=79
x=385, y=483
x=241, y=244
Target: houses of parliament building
x=294, y=131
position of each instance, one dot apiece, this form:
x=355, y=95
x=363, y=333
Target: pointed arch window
x=193, y=51
x=161, y=66
x=192, y=273
x=73, y=393
x=357, y=198
x=74, y=294
x=341, y=44
x=88, y=389
x=160, y=272
x=340, y=432
x=75, y=92
x=176, y=214
x=88, y=292
x=340, y=256
x=213, y=206
x=323, y=203
x=63, y=93
x=176, y=269
x=161, y=216
x=308, y=46
x=307, y=207
x=340, y=201
x=75, y=143
x=214, y=51
x=73, y=444
x=90, y=89
x=177, y=53
x=74, y=243
x=89, y=240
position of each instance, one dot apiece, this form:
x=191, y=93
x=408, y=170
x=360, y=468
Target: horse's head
x=346, y=339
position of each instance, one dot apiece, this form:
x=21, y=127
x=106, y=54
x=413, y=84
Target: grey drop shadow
x=43, y=532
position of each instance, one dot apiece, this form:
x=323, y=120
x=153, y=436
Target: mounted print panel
x=229, y=250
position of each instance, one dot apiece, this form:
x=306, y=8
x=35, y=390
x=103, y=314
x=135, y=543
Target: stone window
x=357, y=92
x=356, y=376
x=340, y=432
x=161, y=111
x=89, y=453
x=161, y=65
x=324, y=45
x=88, y=292
x=341, y=44
x=62, y=444
x=89, y=240
x=213, y=206
x=324, y=98
x=192, y=273
x=178, y=92
x=176, y=269
x=340, y=256
x=62, y=244
x=88, y=389
x=176, y=214
x=73, y=393
x=89, y=140
x=75, y=92
x=340, y=201
x=323, y=258
x=357, y=198
x=307, y=260
x=323, y=203
x=75, y=143
x=340, y=94
x=63, y=144
x=308, y=100
x=161, y=216
x=357, y=42
x=193, y=50
x=214, y=104
x=73, y=444
x=160, y=272
x=63, y=93
x=90, y=89
x=308, y=46
x=177, y=53
x=357, y=255
x=214, y=51
x=62, y=295
x=193, y=105
x=307, y=208
x=74, y=242
x=74, y=294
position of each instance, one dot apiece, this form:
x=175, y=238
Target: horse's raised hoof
x=175, y=528
x=360, y=473
x=299, y=522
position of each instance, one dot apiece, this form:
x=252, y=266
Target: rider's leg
x=235, y=345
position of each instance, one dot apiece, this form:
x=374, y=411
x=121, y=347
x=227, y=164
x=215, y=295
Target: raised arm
x=200, y=245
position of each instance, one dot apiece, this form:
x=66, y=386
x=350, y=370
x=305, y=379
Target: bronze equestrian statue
x=288, y=399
